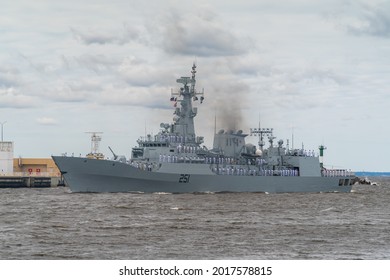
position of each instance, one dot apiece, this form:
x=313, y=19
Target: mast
x=185, y=114
x=95, y=141
x=322, y=148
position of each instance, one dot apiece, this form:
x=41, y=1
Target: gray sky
x=317, y=69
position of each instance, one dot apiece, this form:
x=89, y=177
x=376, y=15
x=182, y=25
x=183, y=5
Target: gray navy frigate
x=175, y=161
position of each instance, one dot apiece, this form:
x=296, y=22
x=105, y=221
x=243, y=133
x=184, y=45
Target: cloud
x=316, y=75
x=374, y=21
x=149, y=97
x=295, y=90
x=139, y=73
x=203, y=35
x=358, y=18
x=11, y=98
x=46, y=121
x=96, y=62
x=250, y=66
x=39, y=67
x=67, y=91
x=9, y=77
x=121, y=36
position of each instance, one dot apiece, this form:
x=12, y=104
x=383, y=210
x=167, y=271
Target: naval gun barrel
x=115, y=155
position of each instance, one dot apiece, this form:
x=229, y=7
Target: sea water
x=54, y=223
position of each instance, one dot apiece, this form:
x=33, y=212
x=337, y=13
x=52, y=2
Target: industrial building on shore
x=26, y=172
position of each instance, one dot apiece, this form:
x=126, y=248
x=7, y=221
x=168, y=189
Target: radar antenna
x=261, y=132
x=95, y=142
x=185, y=81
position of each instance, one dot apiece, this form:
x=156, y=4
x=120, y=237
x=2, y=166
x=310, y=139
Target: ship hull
x=92, y=175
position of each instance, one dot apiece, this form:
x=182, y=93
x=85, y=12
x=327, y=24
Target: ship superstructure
x=174, y=160
x=178, y=137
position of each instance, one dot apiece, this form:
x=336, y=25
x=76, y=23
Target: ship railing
x=301, y=153
x=337, y=173
x=191, y=158
x=241, y=171
x=180, y=159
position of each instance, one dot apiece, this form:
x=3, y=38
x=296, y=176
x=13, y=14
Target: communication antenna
x=292, y=137
x=215, y=124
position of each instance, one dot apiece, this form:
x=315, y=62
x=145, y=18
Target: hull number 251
x=184, y=178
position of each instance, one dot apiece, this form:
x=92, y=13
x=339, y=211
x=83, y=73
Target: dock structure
x=28, y=182
x=30, y=173
x=26, y=172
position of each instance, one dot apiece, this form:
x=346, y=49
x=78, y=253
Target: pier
x=29, y=182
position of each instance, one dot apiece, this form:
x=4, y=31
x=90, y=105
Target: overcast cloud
x=318, y=69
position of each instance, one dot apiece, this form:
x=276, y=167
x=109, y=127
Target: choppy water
x=56, y=224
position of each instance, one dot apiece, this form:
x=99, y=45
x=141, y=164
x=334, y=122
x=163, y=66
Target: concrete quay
x=29, y=181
